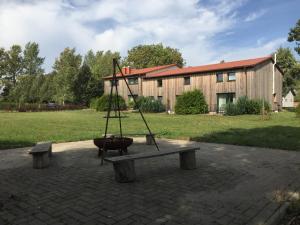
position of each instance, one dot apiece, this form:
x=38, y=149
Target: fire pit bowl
x=113, y=143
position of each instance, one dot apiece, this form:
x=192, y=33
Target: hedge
x=148, y=104
x=102, y=103
x=246, y=106
x=191, y=102
x=36, y=107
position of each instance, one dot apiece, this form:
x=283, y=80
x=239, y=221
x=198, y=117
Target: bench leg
x=187, y=160
x=124, y=171
x=41, y=161
x=149, y=139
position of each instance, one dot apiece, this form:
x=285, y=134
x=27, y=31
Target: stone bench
x=41, y=154
x=124, y=165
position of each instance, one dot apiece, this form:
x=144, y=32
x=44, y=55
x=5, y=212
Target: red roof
x=211, y=67
x=143, y=71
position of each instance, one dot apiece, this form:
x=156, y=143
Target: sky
x=204, y=31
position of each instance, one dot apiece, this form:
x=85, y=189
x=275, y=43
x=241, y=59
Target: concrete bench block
x=124, y=171
x=188, y=160
x=41, y=160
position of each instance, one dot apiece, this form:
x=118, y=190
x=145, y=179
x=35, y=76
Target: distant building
x=288, y=101
x=221, y=83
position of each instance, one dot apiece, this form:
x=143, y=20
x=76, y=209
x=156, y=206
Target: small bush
x=231, y=109
x=298, y=111
x=247, y=106
x=102, y=103
x=191, y=102
x=148, y=104
x=93, y=103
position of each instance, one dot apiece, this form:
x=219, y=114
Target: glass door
x=223, y=99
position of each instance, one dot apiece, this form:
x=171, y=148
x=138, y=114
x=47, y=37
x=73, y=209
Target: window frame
x=111, y=82
x=220, y=81
x=134, y=79
x=185, y=79
x=228, y=75
x=159, y=83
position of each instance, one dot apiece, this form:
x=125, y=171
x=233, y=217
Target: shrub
x=148, y=104
x=102, y=103
x=231, y=109
x=191, y=102
x=93, y=103
x=298, y=111
x=247, y=106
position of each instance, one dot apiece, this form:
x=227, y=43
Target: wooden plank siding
x=254, y=82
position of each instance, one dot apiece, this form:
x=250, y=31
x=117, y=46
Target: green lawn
x=24, y=129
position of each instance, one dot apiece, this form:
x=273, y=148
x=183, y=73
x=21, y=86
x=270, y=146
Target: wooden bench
x=41, y=154
x=124, y=165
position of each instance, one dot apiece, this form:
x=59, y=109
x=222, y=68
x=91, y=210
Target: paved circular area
x=232, y=185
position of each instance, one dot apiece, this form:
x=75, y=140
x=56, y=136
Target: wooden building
x=224, y=82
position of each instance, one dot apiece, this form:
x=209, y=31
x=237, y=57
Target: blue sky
x=205, y=31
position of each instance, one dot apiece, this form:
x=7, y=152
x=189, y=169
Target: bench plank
x=145, y=155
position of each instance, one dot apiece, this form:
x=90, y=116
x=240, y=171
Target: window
x=219, y=77
x=130, y=97
x=160, y=98
x=159, y=83
x=231, y=76
x=133, y=80
x=187, y=80
x=113, y=82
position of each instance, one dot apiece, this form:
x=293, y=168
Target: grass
x=24, y=129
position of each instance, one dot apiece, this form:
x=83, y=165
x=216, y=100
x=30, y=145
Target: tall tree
x=14, y=63
x=290, y=67
x=294, y=35
x=100, y=62
x=143, y=56
x=66, y=68
x=32, y=62
x=3, y=57
x=87, y=86
x=47, y=89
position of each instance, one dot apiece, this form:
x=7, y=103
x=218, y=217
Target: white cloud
x=255, y=15
x=188, y=25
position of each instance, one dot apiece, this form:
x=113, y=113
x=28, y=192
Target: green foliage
x=32, y=62
x=148, y=104
x=231, y=109
x=100, y=62
x=66, y=68
x=102, y=103
x=294, y=36
x=290, y=67
x=298, y=111
x=13, y=64
x=86, y=86
x=247, y=106
x=143, y=56
x=191, y=102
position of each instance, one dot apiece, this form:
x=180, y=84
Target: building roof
x=211, y=67
x=143, y=71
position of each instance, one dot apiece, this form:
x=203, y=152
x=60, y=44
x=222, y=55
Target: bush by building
x=244, y=105
x=191, y=102
x=102, y=103
x=148, y=104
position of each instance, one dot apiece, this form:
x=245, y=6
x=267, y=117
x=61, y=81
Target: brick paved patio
x=232, y=185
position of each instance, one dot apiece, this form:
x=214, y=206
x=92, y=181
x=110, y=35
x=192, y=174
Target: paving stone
x=232, y=185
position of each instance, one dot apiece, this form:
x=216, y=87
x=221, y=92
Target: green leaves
x=294, y=36
x=32, y=62
x=143, y=56
x=191, y=102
